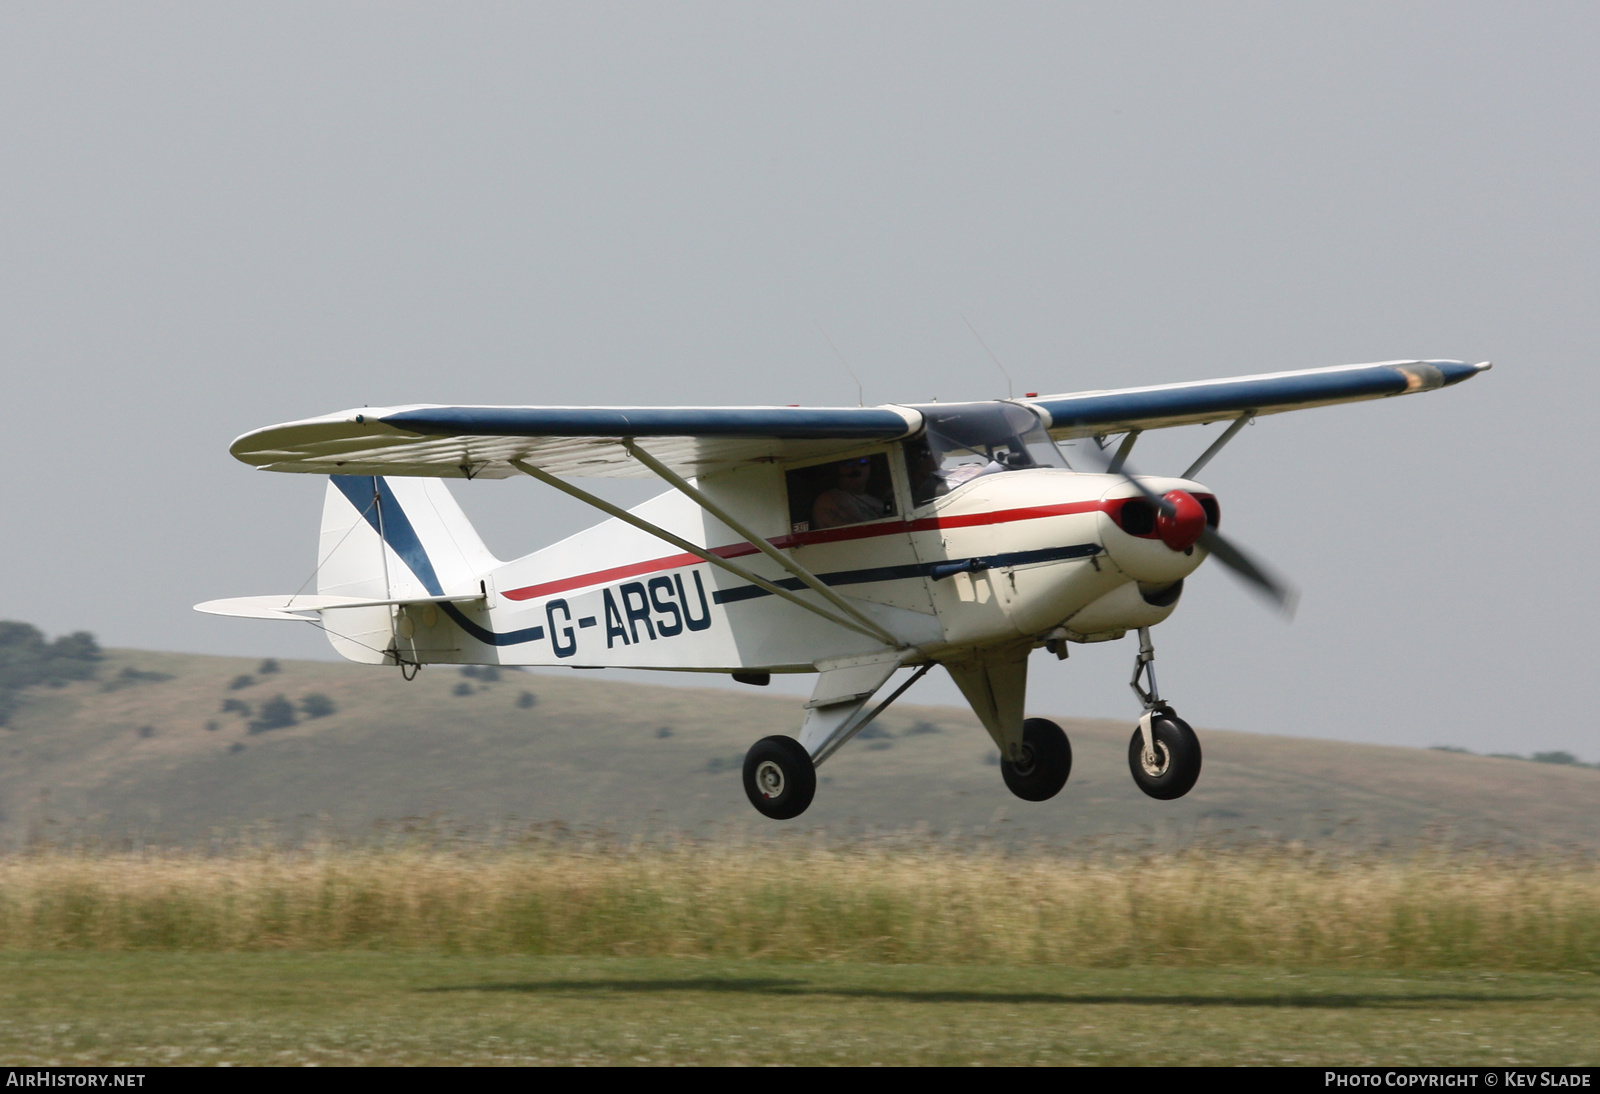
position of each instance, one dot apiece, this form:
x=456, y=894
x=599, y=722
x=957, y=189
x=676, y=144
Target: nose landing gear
x=1164, y=754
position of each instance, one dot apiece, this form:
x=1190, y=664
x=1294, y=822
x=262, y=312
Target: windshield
x=966, y=440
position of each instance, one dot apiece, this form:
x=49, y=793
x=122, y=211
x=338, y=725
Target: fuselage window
x=832, y=495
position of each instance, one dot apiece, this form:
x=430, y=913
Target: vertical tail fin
x=386, y=539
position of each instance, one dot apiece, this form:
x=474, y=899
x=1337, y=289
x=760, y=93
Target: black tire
x=1177, y=764
x=1046, y=762
x=779, y=777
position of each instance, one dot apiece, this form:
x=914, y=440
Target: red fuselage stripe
x=805, y=539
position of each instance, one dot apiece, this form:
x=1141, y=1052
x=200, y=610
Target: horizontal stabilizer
x=301, y=607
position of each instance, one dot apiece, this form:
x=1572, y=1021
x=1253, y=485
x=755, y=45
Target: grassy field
x=365, y=1008
x=1450, y=912
x=864, y=903
x=556, y=951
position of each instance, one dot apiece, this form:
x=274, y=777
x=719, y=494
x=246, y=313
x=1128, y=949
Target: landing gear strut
x=1164, y=754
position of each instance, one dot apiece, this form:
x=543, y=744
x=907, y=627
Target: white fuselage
x=1004, y=559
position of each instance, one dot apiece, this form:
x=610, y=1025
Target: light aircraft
x=848, y=542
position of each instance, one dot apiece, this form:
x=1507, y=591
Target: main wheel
x=779, y=777
x=1172, y=771
x=1046, y=762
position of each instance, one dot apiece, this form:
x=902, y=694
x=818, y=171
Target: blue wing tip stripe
x=1233, y=396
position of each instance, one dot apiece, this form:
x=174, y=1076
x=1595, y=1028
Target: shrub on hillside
x=130, y=676
x=317, y=705
x=26, y=659
x=276, y=713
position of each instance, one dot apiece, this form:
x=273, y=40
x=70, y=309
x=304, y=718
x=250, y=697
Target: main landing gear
x=1164, y=754
x=1045, y=764
x=779, y=778
x=780, y=772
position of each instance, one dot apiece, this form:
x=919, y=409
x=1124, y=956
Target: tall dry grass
x=841, y=903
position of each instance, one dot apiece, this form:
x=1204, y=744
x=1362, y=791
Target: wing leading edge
x=482, y=441
x=1086, y=413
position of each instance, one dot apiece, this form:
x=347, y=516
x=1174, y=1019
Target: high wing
x=479, y=442
x=1087, y=413
x=471, y=442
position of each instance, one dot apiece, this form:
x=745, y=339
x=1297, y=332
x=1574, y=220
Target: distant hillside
x=147, y=751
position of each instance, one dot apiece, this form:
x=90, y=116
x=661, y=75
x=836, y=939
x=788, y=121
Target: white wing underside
x=331, y=450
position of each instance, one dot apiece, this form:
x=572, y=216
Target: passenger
x=847, y=501
x=927, y=482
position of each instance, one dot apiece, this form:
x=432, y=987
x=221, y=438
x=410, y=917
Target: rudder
x=391, y=539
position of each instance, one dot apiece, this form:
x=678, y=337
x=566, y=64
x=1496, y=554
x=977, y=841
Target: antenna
x=1009, y=393
x=860, y=398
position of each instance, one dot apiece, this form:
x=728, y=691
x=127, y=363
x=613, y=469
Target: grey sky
x=215, y=217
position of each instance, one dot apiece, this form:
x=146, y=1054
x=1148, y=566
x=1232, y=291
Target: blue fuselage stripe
x=919, y=569
x=488, y=637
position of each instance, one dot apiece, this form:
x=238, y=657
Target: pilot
x=847, y=501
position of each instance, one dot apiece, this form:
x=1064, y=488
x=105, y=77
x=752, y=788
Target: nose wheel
x=1169, y=765
x=1164, y=754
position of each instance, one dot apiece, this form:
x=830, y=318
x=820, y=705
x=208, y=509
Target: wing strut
x=1122, y=451
x=1216, y=446
x=684, y=545
x=758, y=542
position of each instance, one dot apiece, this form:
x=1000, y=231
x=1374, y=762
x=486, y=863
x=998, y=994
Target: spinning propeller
x=1181, y=523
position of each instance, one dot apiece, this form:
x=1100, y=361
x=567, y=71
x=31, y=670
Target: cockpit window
x=966, y=440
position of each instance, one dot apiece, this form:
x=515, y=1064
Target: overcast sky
x=214, y=217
